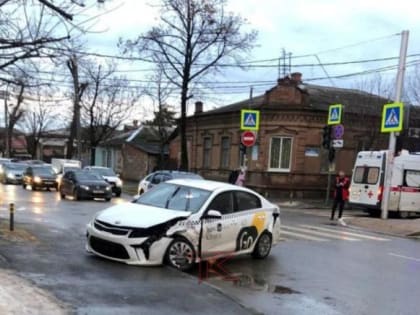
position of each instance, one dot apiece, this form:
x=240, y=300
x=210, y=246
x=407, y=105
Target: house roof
x=145, y=138
x=315, y=97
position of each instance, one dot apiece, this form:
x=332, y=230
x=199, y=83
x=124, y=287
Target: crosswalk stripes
x=321, y=234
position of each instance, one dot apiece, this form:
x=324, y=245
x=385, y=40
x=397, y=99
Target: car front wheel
x=180, y=254
x=263, y=246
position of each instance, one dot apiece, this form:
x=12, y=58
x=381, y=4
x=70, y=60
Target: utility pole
x=392, y=137
x=6, y=123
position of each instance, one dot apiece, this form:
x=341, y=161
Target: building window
x=207, y=152
x=225, y=152
x=280, y=154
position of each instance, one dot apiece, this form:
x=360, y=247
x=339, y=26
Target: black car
x=84, y=185
x=12, y=172
x=39, y=177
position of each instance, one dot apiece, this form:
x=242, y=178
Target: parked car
x=39, y=177
x=185, y=221
x=12, y=172
x=158, y=177
x=109, y=175
x=84, y=185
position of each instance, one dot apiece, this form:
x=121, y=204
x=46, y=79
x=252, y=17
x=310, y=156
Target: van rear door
x=367, y=182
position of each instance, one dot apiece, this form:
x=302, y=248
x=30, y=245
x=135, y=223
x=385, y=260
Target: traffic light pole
x=392, y=136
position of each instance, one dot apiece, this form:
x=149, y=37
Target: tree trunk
x=92, y=155
x=182, y=129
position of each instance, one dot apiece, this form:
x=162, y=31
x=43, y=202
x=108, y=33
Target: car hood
x=14, y=172
x=111, y=179
x=93, y=182
x=138, y=216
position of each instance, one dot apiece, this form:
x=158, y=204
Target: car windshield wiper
x=171, y=197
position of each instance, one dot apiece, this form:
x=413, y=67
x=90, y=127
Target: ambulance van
x=368, y=178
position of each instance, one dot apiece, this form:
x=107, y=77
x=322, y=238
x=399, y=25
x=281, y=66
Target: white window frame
x=285, y=170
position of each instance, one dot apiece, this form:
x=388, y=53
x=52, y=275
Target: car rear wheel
x=107, y=199
x=263, y=246
x=76, y=195
x=23, y=185
x=180, y=254
x=118, y=194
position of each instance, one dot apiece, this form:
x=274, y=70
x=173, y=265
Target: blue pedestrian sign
x=392, y=117
x=250, y=119
x=334, y=114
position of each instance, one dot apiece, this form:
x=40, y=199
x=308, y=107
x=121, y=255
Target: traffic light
x=326, y=137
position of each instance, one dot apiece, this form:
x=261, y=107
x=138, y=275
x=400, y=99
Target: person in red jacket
x=341, y=194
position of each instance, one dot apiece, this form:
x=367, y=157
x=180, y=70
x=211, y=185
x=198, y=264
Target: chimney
x=296, y=77
x=198, y=108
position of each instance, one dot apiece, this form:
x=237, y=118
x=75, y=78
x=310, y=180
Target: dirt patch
x=19, y=234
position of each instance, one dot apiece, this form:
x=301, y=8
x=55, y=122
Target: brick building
x=288, y=157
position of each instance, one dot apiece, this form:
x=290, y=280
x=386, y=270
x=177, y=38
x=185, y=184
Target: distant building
x=133, y=153
x=288, y=158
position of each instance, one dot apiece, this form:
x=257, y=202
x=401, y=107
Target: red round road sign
x=248, y=138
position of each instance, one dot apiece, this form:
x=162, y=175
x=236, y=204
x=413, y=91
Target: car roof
x=205, y=184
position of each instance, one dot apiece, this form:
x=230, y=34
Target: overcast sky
x=334, y=30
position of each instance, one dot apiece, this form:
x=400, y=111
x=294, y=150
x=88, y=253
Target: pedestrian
x=233, y=176
x=341, y=194
x=241, y=177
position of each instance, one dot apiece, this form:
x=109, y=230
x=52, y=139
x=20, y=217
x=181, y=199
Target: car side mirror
x=213, y=214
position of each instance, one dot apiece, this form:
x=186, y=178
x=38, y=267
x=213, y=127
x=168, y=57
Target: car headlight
x=108, y=188
x=119, y=182
x=84, y=187
x=11, y=176
x=37, y=179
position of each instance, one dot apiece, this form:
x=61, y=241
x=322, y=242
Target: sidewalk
x=20, y=297
x=396, y=227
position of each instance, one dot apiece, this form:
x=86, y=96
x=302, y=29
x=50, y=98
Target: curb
x=355, y=227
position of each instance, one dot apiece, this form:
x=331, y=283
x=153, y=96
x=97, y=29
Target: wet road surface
x=319, y=268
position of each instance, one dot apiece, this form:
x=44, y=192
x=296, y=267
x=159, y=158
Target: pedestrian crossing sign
x=250, y=119
x=334, y=114
x=392, y=117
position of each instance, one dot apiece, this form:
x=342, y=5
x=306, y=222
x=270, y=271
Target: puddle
x=258, y=284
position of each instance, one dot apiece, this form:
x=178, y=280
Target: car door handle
x=366, y=186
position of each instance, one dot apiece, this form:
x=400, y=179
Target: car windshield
x=87, y=176
x=103, y=171
x=175, y=197
x=70, y=168
x=16, y=166
x=43, y=171
x=188, y=175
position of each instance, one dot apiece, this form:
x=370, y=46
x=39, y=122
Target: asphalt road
x=319, y=268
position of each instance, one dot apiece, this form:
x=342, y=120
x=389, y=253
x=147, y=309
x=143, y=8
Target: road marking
x=369, y=237
x=404, y=257
x=325, y=234
x=307, y=237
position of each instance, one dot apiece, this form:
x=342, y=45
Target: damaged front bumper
x=134, y=251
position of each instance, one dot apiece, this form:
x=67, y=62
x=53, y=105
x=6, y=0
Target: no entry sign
x=248, y=138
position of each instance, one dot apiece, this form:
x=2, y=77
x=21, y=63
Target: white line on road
x=325, y=234
x=369, y=237
x=307, y=237
x=404, y=257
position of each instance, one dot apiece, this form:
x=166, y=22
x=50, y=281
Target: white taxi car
x=184, y=221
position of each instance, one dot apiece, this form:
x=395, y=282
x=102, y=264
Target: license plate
x=98, y=191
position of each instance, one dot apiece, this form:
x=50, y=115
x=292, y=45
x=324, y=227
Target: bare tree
x=191, y=40
x=38, y=118
x=14, y=115
x=30, y=29
x=374, y=93
x=109, y=102
x=163, y=117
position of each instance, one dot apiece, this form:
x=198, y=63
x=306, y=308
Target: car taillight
x=380, y=189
